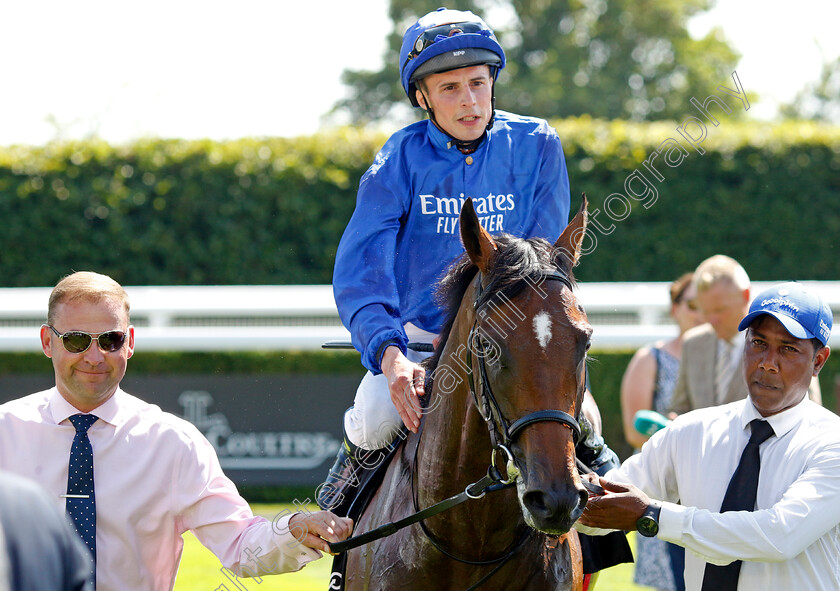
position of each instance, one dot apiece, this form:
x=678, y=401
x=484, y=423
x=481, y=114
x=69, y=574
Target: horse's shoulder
x=392, y=499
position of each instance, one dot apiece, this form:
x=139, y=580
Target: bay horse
x=505, y=383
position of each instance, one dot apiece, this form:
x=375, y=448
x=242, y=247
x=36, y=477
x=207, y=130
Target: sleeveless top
x=667, y=369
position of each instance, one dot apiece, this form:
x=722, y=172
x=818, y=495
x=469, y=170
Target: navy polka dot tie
x=81, y=501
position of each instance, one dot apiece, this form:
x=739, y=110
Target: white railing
x=302, y=317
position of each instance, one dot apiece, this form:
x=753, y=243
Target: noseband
x=502, y=432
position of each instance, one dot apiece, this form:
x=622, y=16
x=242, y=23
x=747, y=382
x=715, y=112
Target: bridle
x=502, y=432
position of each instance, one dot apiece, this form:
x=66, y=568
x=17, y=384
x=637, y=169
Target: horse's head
x=528, y=346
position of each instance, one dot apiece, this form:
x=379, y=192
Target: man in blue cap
x=756, y=480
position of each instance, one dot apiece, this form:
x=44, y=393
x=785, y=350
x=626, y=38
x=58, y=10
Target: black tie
x=81, y=501
x=740, y=496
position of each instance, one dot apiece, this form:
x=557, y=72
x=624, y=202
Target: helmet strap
x=492, y=100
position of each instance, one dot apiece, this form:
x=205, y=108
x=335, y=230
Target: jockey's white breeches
x=373, y=421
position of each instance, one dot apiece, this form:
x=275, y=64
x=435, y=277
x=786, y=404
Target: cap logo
x=781, y=303
x=459, y=52
x=824, y=330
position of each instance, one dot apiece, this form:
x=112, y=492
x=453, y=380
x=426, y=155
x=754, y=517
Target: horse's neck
x=454, y=452
x=455, y=444
x=455, y=448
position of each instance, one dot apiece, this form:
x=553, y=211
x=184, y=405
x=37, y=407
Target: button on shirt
x=157, y=477
x=792, y=539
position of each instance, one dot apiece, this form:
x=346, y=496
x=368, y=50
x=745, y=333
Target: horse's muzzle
x=553, y=511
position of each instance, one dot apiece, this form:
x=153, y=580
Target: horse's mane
x=515, y=259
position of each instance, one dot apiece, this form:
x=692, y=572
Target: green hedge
x=605, y=370
x=764, y=194
x=179, y=212
x=271, y=211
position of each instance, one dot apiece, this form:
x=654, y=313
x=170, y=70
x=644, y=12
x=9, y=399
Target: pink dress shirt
x=156, y=476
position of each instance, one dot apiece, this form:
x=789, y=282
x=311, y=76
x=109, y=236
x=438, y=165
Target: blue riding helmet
x=444, y=40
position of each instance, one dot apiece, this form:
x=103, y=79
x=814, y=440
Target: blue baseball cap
x=803, y=313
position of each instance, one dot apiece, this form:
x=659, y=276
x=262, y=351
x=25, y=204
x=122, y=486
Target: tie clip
x=74, y=496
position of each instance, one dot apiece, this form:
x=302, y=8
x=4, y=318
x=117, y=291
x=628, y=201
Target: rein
x=490, y=483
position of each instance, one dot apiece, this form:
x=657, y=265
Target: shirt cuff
x=671, y=519
x=294, y=550
x=372, y=356
x=381, y=350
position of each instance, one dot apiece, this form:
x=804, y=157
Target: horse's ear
x=571, y=239
x=478, y=243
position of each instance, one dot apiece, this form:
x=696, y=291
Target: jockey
x=403, y=233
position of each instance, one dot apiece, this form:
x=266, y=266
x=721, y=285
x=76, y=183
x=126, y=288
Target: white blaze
x=542, y=326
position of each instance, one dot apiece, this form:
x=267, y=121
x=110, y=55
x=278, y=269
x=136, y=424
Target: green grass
x=201, y=570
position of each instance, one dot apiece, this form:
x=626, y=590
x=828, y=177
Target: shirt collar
x=439, y=139
x=445, y=143
x=61, y=410
x=781, y=422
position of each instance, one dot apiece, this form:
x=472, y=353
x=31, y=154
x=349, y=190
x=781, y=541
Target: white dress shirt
x=792, y=540
x=156, y=476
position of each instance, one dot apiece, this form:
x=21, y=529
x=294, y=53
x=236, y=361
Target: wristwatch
x=648, y=523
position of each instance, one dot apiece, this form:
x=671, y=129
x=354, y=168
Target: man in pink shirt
x=152, y=475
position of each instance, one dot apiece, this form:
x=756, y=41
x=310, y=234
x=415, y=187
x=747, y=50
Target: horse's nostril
x=539, y=504
x=584, y=497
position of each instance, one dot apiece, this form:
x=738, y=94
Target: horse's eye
x=479, y=343
x=484, y=347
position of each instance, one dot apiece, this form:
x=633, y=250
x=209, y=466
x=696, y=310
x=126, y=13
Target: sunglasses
x=435, y=34
x=76, y=341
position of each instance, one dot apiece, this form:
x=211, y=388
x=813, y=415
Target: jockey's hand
x=619, y=508
x=314, y=530
x=406, y=382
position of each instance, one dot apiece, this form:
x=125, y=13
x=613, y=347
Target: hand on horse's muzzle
x=619, y=507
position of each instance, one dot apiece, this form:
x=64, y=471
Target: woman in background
x=648, y=384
